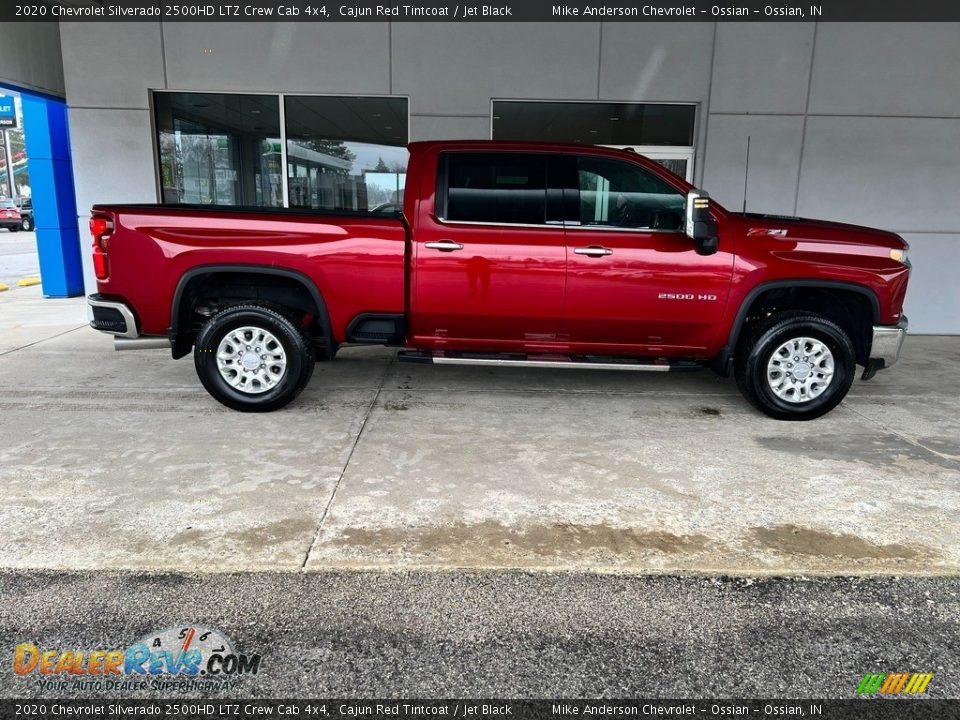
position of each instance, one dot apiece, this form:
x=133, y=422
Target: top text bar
x=494, y=11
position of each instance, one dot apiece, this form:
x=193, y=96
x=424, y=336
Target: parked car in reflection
x=25, y=205
x=10, y=215
x=388, y=208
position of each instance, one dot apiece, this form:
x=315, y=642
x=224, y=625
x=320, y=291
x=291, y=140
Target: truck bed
x=355, y=259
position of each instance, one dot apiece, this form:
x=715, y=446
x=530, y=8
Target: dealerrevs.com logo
x=184, y=658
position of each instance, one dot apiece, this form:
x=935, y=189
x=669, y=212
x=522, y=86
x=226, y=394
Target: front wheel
x=252, y=358
x=27, y=224
x=796, y=366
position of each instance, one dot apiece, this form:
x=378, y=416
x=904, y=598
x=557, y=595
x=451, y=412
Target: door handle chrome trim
x=593, y=251
x=443, y=246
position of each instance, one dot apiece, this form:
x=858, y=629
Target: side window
x=496, y=187
x=621, y=194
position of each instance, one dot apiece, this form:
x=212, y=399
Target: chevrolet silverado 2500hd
x=508, y=254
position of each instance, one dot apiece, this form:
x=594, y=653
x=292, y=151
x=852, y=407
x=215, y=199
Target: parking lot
x=121, y=460
x=18, y=256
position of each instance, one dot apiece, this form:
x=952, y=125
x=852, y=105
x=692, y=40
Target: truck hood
x=805, y=229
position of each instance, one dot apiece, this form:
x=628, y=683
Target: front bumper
x=887, y=341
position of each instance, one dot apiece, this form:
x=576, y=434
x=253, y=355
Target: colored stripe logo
x=894, y=683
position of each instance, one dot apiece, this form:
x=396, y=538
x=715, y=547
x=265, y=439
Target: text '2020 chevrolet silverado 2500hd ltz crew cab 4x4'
x=508, y=254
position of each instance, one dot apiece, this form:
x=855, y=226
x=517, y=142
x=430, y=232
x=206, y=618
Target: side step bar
x=587, y=362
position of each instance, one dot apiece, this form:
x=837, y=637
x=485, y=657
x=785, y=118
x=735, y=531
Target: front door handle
x=443, y=246
x=593, y=251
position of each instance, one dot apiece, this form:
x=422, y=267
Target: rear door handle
x=593, y=251
x=443, y=246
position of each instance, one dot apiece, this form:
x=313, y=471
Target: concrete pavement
x=121, y=460
x=18, y=256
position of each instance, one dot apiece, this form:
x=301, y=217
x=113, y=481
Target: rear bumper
x=116, y=318
x=111, y=316
x=10, y=223
x=887, y=341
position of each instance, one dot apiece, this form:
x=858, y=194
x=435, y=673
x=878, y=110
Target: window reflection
x=342, y=153
x=219, y=149
x=346, y=153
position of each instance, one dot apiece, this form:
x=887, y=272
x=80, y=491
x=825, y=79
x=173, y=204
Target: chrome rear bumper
x=887, y=341
x=116, y=318
x=112, y=317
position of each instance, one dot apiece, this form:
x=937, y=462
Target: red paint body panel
x=619, y=295
x=510, y=288
x=357, y=263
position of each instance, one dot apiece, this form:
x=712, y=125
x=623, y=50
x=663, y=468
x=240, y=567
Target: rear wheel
x=253, y=358
x=13, y=228
x=27, y=224
x=796, y=366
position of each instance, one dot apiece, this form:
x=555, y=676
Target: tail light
x=101, y=228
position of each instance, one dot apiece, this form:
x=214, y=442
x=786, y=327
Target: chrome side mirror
x=700, y=226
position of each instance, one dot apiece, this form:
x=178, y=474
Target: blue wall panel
x=54, y=202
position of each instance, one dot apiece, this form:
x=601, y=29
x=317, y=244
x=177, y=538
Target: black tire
x=758, y=346
x=297, y=347
x=13, y=228
x=27, y=224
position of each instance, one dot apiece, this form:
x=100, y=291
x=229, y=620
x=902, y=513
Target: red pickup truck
x=505, y=254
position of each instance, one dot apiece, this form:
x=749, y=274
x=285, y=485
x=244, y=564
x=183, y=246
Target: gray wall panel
x=654, y=61
x=278, y=57
x=450, y=69
x=933, y=296
x=121, y=171
x=86, y=257
x=886, y=172
x=30, y=56
x=774, y=159
x=433, y=127
x=761, y=67
x=887, y=69
x=126, y=63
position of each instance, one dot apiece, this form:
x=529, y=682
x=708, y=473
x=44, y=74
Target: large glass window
x=346, y=153
x=219, y=149
x=496, y=187
x=662, y=132
x=620, y=194
x=342, y=153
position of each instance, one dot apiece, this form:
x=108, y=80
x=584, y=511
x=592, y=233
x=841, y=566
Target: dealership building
x=855, y=122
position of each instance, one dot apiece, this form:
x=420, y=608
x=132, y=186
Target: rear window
x=7, y=204
x=496, y=188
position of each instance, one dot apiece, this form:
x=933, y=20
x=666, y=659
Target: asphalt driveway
x=503, y=634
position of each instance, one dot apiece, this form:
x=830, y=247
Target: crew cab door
x=634, y=279
x=488, y=269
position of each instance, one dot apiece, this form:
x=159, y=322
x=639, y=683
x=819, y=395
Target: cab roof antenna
x=746, y=175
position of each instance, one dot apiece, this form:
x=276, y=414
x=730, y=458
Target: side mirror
x=701, y=227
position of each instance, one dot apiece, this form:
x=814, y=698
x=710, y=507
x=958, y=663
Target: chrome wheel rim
x=251, y=360
x=800, y=370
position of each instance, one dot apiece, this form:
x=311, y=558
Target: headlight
x=899, y=256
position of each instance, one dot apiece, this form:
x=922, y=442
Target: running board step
x=580, y=362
